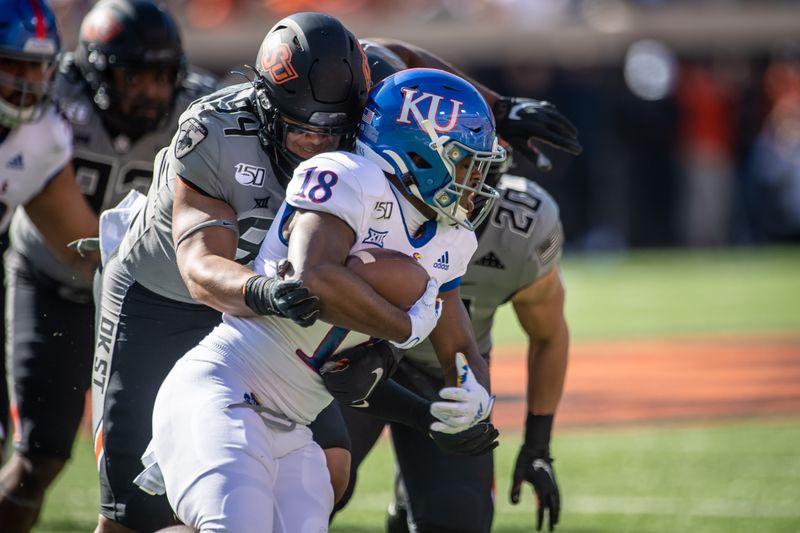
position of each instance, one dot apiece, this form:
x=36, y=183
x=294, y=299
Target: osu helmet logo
x=101, y=26
x=411, y=106
x=278, y=62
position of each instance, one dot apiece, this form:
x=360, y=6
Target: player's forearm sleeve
x=392, y=402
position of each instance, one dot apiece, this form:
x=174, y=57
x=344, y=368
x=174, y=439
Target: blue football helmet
x=435, y=132
x=29, y=44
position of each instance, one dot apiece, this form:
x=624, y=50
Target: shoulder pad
x=198, y=83
x=67, y=67
x=526, y=217
x=66, y=64
x=541, y=201
x=338, y=183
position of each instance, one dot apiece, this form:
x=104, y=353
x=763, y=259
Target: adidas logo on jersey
x=490, y=260
x=17, y=163
x=443, y=263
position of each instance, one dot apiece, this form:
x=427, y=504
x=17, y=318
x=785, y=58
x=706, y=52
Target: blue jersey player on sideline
x=35, y=172
x=122, y=90
x=426, y=141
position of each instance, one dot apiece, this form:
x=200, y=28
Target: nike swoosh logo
x=516, y=110
x=541, y=464
x=362, y=403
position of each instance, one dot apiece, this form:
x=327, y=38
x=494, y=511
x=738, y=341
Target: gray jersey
x=519, y=243
x=106, y=167
x=216, y=151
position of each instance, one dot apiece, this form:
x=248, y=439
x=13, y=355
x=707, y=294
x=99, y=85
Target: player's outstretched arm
x=453, y=334
x=465, y=400
x=415, y=57
x=318, y=248
x=62, y=215
x=350, y=376
x=540, y=310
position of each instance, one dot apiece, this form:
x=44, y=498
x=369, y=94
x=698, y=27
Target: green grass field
x=724, y=477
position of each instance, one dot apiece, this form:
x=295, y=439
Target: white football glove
x=468, y=402
x=424, y=315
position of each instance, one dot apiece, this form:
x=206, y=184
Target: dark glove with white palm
x=479, y=439
x=535, y=466
x=525, y=121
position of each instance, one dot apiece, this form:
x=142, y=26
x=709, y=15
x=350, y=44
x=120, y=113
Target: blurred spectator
x=707, y=176
x=639, y=183
x=774, y=174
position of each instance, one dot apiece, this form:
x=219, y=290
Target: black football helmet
x=133, y=34
x=311, y=70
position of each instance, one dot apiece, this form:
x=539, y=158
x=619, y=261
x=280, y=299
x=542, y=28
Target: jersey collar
x=426, y=231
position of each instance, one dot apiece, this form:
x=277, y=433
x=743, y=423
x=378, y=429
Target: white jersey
x=30, y=156
x=282, y=358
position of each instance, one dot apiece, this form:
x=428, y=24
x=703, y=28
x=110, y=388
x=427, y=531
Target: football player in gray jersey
x=122, y=91
x=446, y=485
x=188, y=253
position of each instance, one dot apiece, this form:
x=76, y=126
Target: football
x=394, y=275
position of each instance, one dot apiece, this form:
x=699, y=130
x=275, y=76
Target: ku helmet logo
x=411, y=107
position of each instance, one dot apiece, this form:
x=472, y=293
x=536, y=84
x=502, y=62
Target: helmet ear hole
x=419, y=161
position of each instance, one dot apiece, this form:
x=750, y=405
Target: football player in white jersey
x=229, y=434
x=438, y=485
x=35, y=154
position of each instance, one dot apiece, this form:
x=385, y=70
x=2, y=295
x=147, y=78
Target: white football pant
x=232, y=468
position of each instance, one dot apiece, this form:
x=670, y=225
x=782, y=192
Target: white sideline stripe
x=628, y=505
x=633, y=505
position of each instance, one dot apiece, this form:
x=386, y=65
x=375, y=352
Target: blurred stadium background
x=689, y=111
x=682, y=219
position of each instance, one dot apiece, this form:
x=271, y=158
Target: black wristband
x=537, y=433
x=256, y=295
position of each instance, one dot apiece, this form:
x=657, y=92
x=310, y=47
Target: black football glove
x=352, y=374
x=288, y=299
x=535, y=466
x=480, y=439
x=523, y=121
